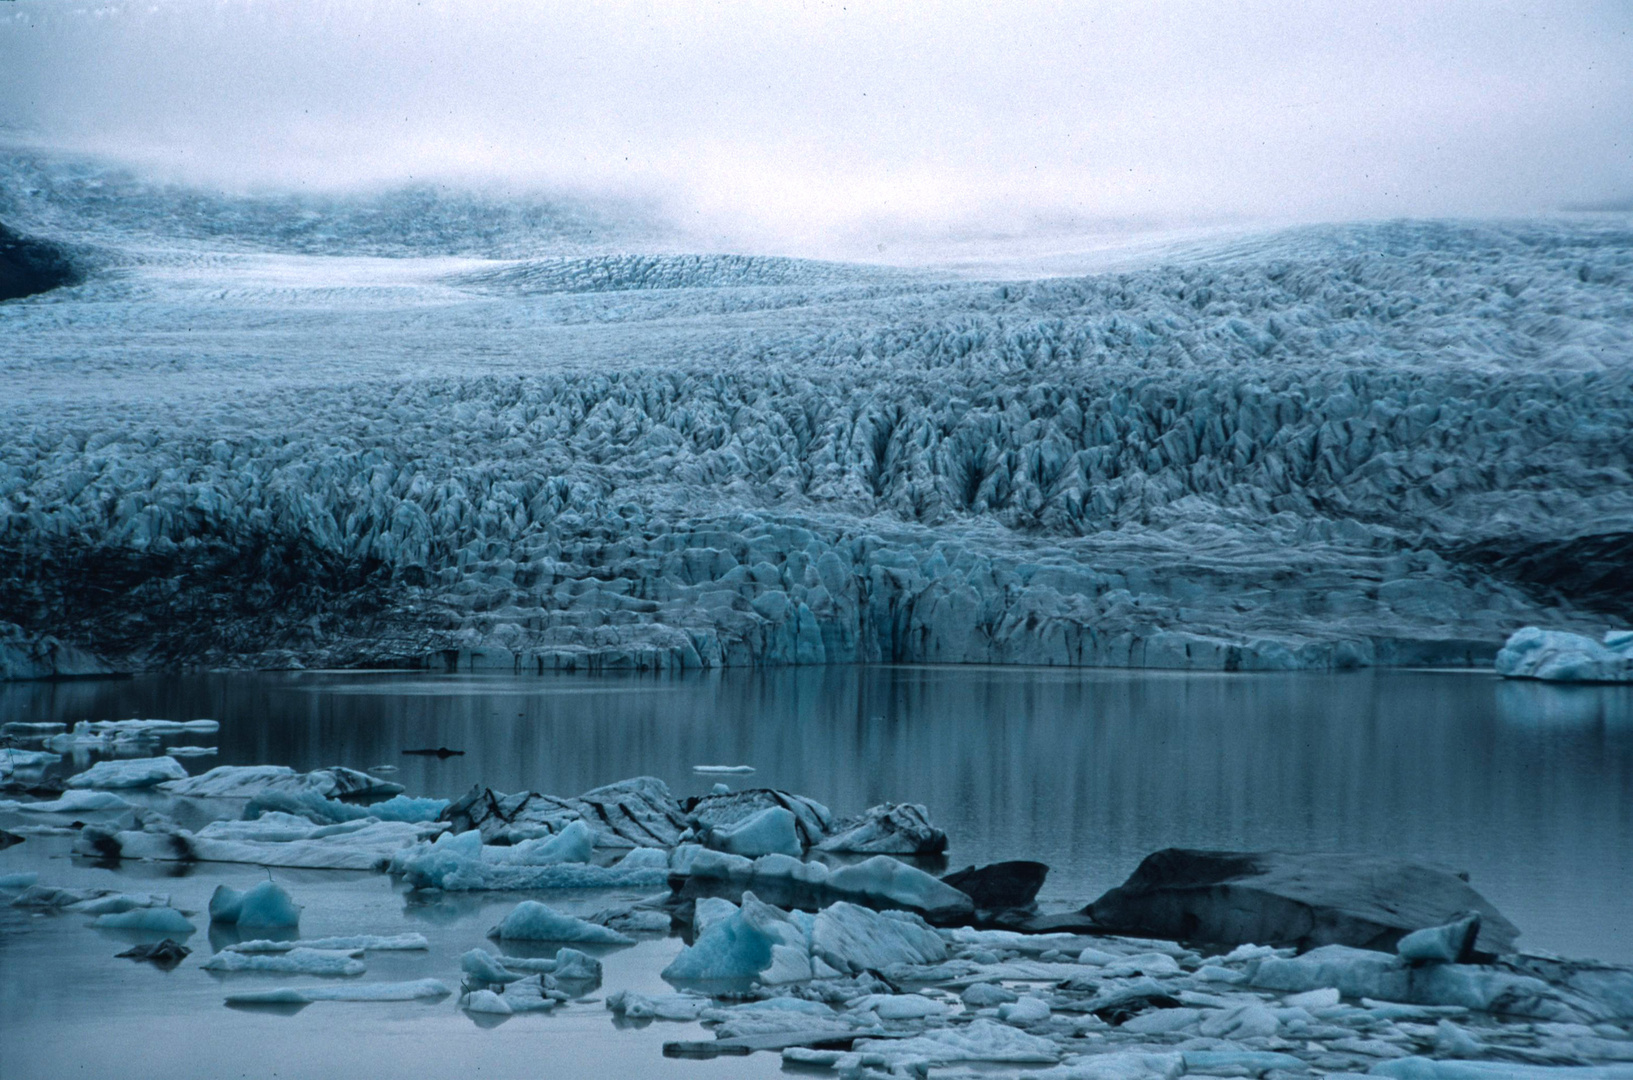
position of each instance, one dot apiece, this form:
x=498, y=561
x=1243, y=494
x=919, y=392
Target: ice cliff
x=242, y=441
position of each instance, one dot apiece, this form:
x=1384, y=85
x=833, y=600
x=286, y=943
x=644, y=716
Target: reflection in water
x=1528, y=787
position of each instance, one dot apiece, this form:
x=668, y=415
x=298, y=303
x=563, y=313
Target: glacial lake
x=1528, y=788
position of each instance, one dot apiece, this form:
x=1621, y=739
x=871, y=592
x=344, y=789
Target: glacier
x=422, y=429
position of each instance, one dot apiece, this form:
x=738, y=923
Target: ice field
x=494, y=432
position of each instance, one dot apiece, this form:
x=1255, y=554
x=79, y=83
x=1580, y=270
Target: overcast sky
x=809, y=126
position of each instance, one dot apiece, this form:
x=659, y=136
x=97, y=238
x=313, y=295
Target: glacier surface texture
x=453, y=431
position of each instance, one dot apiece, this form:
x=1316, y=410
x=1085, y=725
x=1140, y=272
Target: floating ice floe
x=1558, y=656
x=247, y=781
x=462, y=862
x=12, y=759
x=724, y=770
x=323, y=810
x=152, y=920
x=192, y=751
x=294, y=962
x=273, y=839
x=533, y=921
x=71, y=802
x=352, y=943
x=414, y=990
x=129, y=773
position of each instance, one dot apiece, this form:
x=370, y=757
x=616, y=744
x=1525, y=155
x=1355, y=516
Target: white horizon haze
x=848, y=130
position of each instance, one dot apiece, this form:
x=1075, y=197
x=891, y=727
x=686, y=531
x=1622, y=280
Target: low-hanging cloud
x=821, y=128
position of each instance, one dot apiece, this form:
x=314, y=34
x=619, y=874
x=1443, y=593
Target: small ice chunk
x=129, y=773
x=18, y=882
x=153, y=920
x=721, y=789
x=225, y=903
x=724, y=770
x=192, y=751
x=533, y=921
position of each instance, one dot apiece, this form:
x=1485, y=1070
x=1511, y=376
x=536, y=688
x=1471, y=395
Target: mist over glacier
x=811, y=336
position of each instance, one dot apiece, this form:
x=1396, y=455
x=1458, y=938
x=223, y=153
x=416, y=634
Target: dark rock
x=1274, y=898
x=40, y=656
x=166, y=954
x=439, y=752
x=7, y=839
x=29, y=266
x=1000, y=886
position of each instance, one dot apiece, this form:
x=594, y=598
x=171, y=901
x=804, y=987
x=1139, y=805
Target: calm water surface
x=1529, y=788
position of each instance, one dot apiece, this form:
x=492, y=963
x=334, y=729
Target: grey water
x=1527, y=787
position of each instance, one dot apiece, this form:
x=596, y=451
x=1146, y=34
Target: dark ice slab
x=1302, y=900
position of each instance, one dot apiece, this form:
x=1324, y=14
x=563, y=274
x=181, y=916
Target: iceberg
x=767, y=832
x=755, y=941
x=266, y=905
x=1558, y=656
x=880, y=882
x=638, y=812
x=462, y=862
x=981, y=1040
x=891, y=829
x=129, y=773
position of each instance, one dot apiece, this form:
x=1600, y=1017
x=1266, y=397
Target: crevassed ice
x=1385, y=443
